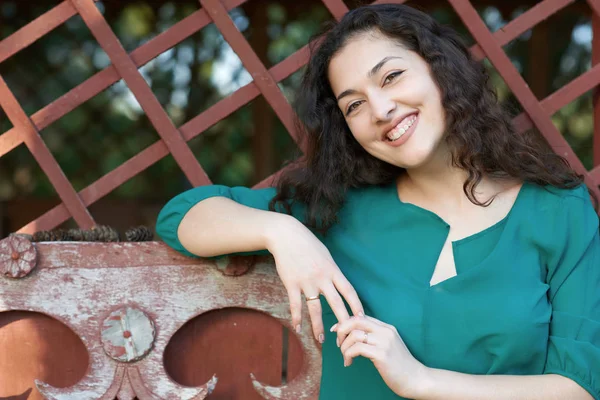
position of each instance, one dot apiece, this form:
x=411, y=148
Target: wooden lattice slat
x=524, y=22
x=595, y=173
x=32, y=139
x=36, y=29
x=265, y=82
x=337, y=8
x=562, y=97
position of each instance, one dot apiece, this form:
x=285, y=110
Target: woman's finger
x=335, y=302
x=355, y=323
x=316, y=316
x=296, y=308
x=357, y=336
x=360, y=349
x=375, y=321
x=345, y=288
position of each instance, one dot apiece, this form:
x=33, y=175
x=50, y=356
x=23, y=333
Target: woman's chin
x=412, y=163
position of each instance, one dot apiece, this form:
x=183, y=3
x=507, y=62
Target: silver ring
x=366, y=339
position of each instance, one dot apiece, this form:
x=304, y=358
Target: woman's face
x=389, y=99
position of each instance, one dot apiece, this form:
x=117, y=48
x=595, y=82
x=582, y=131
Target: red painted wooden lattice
x=174, y=140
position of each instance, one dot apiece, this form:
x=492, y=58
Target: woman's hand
x=305, y=266
x=381, y=343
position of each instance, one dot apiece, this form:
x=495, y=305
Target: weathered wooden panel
x=147, y=292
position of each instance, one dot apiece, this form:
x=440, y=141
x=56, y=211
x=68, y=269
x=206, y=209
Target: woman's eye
x=391, y=77
x=352, y=107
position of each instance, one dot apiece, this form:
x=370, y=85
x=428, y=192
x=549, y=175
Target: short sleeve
x=573, y=276
x=173, y=212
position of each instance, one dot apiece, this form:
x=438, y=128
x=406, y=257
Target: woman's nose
x=382, y=108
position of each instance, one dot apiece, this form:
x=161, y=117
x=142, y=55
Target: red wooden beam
x=595, y=5
x=43, y=156
x=562, y=97
x=337, y=8
x=36, y=29
x=522, y=23
x=263, y=79
x=595, y=173
x=142, y=92
x=519, y=87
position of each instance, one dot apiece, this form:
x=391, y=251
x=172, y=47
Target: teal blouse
x=525, y=300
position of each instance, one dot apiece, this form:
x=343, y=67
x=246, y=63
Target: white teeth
x=397, y=132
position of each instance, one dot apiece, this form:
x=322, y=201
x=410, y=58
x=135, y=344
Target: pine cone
x=106, y=233
x=76, y=234
x=139, y=234
x=56, y=235
x=90, y=235
x=45, y=236
x=64, y=235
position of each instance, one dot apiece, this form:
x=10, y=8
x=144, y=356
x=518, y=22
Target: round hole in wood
x=36, y=346
x=232, y=343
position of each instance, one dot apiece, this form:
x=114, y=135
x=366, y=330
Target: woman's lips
x=407, y=134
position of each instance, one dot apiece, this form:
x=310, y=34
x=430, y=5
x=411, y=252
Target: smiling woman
x=387, y=104
x=467, y=254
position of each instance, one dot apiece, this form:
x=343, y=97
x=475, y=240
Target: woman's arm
x=409, y=378
x=449, y=385
x=217, y=220
x=219, y=225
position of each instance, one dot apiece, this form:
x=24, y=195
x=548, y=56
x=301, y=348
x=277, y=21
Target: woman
x=468, y=255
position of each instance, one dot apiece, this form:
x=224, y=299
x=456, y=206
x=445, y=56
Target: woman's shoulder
x=552, y=209
x=580, y=191
x=552, y=198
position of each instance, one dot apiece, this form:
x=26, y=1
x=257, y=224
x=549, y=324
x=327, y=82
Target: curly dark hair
x=479, y=131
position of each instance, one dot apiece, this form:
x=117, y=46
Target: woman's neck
x=437, y=177
x=444, y=184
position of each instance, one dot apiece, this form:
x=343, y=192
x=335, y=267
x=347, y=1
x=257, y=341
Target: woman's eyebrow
x=380, y=64
x=370, y=74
